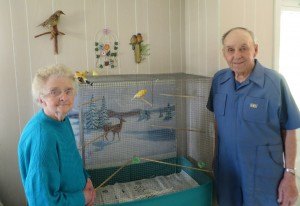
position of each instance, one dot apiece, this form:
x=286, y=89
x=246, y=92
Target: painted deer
x=115, y=129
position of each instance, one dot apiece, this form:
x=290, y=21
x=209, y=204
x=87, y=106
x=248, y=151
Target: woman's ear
x=41, y=101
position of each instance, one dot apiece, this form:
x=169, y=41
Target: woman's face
x=58, y=97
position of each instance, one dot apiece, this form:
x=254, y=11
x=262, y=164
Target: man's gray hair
x=44, y=73
x=239, y=28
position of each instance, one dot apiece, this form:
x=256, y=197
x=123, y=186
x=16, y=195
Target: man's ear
x=255, y=49
x=223, y=52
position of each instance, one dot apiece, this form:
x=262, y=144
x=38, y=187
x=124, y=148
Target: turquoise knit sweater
x=51, y=167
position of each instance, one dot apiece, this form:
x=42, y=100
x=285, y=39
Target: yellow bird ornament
x=81, y=77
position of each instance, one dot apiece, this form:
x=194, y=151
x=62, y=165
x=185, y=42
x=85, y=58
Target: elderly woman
x=51, y=167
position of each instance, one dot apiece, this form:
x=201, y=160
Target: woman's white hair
x=44, y=73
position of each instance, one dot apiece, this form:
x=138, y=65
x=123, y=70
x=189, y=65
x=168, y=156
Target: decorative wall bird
x=81, y=77
x=133, y=41
x=140, y=49
x=52, y=20
x=139, y=38
x=51, y=24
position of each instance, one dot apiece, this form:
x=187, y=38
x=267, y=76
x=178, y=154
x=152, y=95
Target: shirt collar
x=257, y=75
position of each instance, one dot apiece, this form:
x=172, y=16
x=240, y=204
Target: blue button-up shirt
x=250, y=117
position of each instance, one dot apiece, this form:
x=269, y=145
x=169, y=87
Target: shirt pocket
x=220, y=104
x=255, y=109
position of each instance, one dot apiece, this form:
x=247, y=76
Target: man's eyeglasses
x=56, y=92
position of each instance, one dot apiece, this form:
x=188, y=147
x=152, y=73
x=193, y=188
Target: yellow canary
x=140, y=94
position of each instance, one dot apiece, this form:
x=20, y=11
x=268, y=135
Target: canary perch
x=184, y=129
x=115, y=173
x=176, y=165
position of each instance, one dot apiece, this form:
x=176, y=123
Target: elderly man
x=256, y=121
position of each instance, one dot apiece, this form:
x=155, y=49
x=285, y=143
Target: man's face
x=239, y=51
x=58, y=97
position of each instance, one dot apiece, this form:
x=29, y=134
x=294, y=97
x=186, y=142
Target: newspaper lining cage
x=150, y=149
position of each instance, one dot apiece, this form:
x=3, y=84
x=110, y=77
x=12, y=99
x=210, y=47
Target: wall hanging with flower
x=106, y=49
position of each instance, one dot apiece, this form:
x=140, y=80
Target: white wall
x=206, y=21
x=202, y=36
x=257, y=16
x=184, y=36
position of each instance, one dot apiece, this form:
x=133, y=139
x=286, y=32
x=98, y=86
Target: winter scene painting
x=116, y=121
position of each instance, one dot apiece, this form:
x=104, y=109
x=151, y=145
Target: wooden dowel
x=146, y=102
x=111, y=176
x=179, y=95
x=92, y=141
x=186, y=129
x=175, y=165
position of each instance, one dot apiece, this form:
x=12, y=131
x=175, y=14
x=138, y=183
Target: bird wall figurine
x=140, y=49
x=81, y=77
x=133, y=41
x=52, y=20
x=51, y=24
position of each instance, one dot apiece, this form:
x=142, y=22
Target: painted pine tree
x=168, y=112
x=91, y=116
x=103, y=114
x=144, y=115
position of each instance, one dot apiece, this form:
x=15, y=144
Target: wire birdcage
x=115, y=131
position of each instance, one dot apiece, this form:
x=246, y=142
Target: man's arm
x=287, y=191
x=215, y=146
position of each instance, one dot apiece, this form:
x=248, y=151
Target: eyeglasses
x=56, y=92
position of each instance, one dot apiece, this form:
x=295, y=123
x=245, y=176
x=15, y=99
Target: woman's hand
x=89, y=193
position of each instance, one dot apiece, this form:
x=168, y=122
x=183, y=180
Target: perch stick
x=55, y=41
x=192, y=130
x=179, y=95
x=176, y=165
x=93, y=140
x=42, y=34
x=55, y=33
x=111, y=176
x=146, y=102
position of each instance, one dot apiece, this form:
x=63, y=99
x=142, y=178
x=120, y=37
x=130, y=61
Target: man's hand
x=287, y=191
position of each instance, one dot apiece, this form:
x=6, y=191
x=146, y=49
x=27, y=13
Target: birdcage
x=146, y=139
